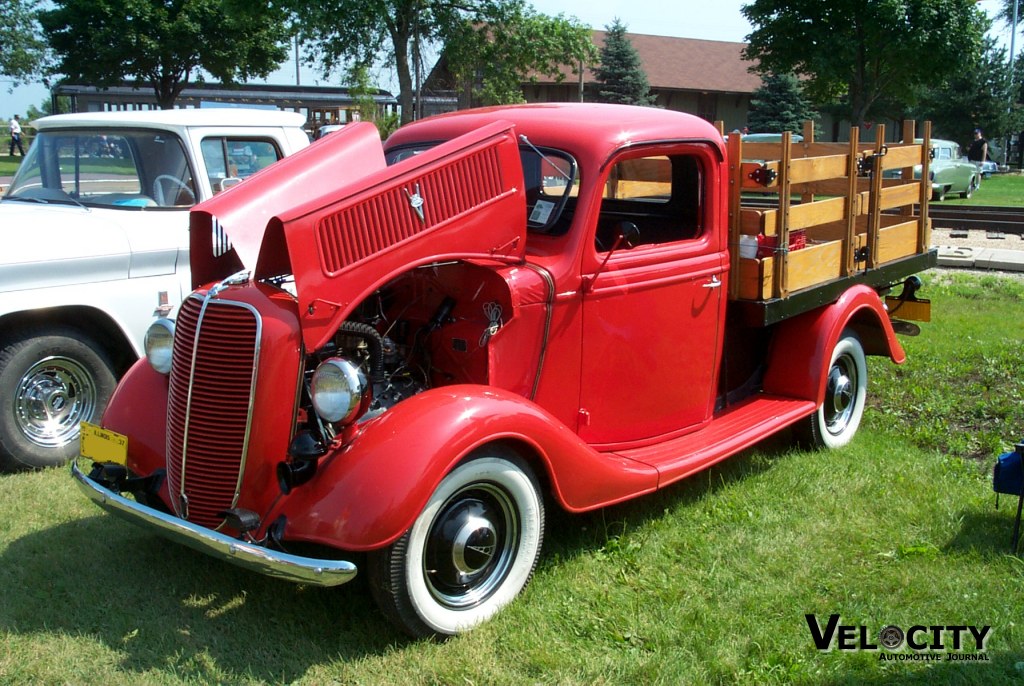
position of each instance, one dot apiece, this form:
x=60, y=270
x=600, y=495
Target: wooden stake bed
x=809, y=214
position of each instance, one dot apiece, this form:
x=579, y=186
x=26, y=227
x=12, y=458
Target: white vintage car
x=94, y=230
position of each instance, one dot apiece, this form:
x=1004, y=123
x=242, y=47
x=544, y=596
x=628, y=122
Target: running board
x=737, y=428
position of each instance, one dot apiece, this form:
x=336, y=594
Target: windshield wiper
x=24, y=198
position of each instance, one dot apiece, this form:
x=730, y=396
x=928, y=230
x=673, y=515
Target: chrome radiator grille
x=216, y=346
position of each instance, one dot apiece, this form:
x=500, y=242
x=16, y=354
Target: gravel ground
x=976, y=239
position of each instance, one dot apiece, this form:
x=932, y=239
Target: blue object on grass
x=1008, y=477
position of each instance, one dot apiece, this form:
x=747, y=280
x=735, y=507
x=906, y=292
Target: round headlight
x=160, y=345
x=340, y=391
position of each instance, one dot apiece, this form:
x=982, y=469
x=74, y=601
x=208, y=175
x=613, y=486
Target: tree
x=982, y=97
x=779, y=105
x=621, y=75
x=164, y=43
x=514, y=44
x=351, y=31
x=22, y=48
x=863, y=51
x=362, y=92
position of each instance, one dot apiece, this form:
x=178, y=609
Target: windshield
x=124, y=169
x=552, y=183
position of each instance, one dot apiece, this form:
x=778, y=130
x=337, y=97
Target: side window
x=661, y=196
x=229, y=160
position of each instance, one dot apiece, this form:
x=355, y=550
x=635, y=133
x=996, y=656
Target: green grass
x=705, y=583
x=8, y=165
x=1000, y=190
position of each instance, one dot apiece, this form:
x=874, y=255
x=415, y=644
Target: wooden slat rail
x=734, y=152
x=848, y=264
x=780, y=283
x=864, y=221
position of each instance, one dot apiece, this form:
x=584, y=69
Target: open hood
x=344, y=237
x=227, y=231
x=462, y=199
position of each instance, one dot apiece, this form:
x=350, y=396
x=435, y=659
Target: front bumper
x=306, y=570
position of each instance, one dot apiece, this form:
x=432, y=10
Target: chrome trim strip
x=177, y=503
x=305, y=570
x=211, y=296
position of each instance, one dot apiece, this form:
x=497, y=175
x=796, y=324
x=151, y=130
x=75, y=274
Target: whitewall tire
x=469, y=553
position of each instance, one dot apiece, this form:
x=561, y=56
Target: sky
x=721, y=20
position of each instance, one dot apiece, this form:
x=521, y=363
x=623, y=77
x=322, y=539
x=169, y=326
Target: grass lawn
x=1000, y=190
x=8, y=165
x=707, y=582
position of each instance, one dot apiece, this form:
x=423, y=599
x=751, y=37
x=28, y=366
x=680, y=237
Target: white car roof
x=181, y=118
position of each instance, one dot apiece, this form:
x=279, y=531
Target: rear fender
x=801, y=347
x=369, y=493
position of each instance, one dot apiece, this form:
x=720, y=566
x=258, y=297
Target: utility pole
x=1013, y=94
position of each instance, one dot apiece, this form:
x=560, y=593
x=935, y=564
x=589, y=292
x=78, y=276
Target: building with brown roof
x=703, y=77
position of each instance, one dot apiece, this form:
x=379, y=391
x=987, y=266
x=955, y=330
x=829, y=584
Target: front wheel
x=470, y=551
x=835, y=422
x=50, y=381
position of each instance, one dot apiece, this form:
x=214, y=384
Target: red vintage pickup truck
x=407, y=351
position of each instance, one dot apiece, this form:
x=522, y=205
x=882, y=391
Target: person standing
x=15, y=129
x=978, y=152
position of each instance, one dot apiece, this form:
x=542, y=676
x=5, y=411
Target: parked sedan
x=949, y=171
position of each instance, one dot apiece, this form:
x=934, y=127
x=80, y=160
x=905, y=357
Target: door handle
x=714, y=283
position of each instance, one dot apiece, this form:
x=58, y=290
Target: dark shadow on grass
x=1000, y=668
x=987, y=532
x=163, y=606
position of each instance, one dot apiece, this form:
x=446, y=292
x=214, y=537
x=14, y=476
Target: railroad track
x=978, y=218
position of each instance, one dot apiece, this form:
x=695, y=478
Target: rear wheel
x=470, y=552
x=50, y=381
x=835, y=422
x=971, y=187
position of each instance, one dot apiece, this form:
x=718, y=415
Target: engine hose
x=374, y=340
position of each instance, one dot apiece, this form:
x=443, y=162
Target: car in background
x=95, y=236
x=326, y=129
x=988, y=168
x=949, y=171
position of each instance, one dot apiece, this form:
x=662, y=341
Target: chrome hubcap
x=840, y=395
x=52, y=397
x=471, y=546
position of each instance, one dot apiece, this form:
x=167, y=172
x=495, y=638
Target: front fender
x=138, y=409
x=369, y=493
x=801, y=347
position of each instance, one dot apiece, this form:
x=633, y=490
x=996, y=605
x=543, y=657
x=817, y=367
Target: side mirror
x=627, y=234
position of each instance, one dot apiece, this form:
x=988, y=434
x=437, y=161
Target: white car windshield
x=124, y=169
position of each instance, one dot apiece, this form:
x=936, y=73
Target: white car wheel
x=835, y=422
x=469, y=553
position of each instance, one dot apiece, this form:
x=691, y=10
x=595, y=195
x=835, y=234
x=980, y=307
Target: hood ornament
x=416, y=202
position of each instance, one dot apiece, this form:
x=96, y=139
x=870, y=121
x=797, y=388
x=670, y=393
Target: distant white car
x=94, y=229
x=326, y=129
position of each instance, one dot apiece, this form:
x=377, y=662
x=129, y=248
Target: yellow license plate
x=918, y=310
x=103, y=445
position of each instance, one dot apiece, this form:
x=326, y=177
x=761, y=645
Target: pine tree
x=620, y=75
x=778, y=105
